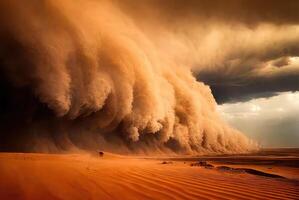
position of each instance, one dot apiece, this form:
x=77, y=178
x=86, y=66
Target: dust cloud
x=97, y=75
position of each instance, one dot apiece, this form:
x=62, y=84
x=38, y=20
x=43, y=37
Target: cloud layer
x=242, y=49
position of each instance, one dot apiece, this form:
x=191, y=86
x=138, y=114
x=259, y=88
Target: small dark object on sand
x=202, y=164
x=224, y=168
x=209, y=166
x=166, y=162
x=260, y=173
x=249, y=171
x=101, y=153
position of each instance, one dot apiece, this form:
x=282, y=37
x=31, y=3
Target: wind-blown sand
x=49, y=176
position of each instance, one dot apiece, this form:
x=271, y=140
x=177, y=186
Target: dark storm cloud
x=226, y=90
x=243, y=85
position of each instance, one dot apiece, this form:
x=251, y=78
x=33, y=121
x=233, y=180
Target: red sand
x=48, y=176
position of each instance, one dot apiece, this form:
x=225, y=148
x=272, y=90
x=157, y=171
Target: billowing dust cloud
x=93, y=75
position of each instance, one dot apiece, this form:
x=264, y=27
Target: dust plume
x=95, y=75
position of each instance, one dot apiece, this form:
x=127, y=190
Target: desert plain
x=268, y=174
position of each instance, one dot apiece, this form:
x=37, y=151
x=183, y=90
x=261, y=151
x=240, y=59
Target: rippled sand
x=48, y=176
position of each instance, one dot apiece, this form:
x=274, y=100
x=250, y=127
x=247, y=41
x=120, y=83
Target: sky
x=272, y=121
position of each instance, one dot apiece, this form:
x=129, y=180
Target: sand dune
x=44, y=176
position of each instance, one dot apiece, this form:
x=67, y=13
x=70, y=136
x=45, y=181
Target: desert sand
x=84, y=176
